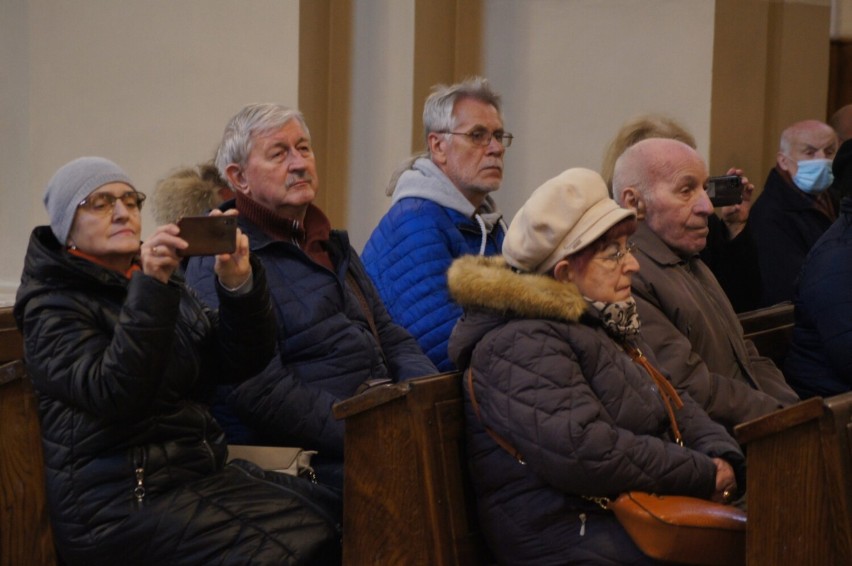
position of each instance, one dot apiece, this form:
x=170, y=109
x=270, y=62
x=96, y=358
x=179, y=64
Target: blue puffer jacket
x=587, y=420
x=429, y=225
x=820, y=358
x=326, y=348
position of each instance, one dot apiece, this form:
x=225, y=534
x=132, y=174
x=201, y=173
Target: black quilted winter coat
x=587, y=420
x=134, y=468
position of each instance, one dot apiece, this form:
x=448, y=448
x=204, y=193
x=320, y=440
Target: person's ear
x=437, y=147
x=562, y=271
x=782, y=161
x=632, y=199
x=237, y=178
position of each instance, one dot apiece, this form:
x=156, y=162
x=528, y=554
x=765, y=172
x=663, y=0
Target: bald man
x=795, y=207
x=686, y=317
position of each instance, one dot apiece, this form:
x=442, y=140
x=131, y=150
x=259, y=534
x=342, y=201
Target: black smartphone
x=208, y=235
x=725, y=190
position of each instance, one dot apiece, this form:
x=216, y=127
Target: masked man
x=795, y=207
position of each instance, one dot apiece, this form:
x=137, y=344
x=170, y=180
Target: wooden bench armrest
x=12, y=371
x=767, y=317
x=370, y=399
x=385, y=393
x=779, y=420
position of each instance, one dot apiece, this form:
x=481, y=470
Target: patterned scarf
x=621, y=320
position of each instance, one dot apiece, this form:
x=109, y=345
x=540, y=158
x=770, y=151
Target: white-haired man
x=334, y=333
x=687, y=319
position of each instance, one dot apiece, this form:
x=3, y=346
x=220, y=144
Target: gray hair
x=252, y=120
x=438, y=109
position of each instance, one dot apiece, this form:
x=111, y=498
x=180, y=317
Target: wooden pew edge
x=381, y=394
x=779, y=420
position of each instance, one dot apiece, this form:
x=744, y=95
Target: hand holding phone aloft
x=208, y=235
x=725, y=190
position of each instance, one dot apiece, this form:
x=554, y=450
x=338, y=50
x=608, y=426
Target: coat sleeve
x=276, y=402
x=703, y=434
x=726, y=400
x=734, y=262
x=244, y=332
x=408, y=258
x=112, y=373
x=537, y=398
x=404, y=356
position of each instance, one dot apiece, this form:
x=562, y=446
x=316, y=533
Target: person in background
x=552, y=341
x=730, y=253
x=115, y=345
x=795, y=207
x=841, y=123
x=189, y=191
x=442, y=208
x=820, y=358
x=687, y=319
x=334, y=335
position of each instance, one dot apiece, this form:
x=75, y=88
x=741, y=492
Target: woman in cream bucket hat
x=561, y=379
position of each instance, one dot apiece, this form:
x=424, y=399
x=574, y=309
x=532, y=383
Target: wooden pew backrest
x=799, y=484
x=25, y=533
x=406, y=496
x=771, y=330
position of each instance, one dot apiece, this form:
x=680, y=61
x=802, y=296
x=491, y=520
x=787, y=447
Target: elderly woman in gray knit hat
x=560, y=380
x=115, y=345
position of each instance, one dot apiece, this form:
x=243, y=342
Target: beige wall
x=573, y=72
x=150, y=84
x=841, y=19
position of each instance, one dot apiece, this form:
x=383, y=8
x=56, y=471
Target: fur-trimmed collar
x=489, y=283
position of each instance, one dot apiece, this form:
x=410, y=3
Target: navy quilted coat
x=327, y=350
x=820, y=358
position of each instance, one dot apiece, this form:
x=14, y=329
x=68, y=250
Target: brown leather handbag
x=685, y=530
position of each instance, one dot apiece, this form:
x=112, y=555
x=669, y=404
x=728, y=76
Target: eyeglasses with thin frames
x=483, y=137
x=104, y=203
x=615, y=259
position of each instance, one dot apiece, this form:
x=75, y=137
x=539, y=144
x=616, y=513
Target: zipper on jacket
x=204, y=441
x=582, y=524
x=139, y=472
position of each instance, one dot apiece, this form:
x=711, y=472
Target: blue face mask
x=814, y=175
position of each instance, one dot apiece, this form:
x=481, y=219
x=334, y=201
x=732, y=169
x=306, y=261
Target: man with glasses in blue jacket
x=441, y=209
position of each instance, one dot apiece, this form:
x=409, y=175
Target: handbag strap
x=501, y=442
x=667, y=390
x=362, y=300
x=368, y=313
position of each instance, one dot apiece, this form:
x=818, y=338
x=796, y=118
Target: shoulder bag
x=670, y=528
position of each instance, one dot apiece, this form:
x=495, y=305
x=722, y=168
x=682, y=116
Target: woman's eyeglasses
x=104, y=203
x=615, y=259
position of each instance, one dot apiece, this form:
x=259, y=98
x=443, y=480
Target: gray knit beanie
x=73, y=182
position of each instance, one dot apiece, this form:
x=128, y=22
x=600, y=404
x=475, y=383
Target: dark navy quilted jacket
x=327, y=349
